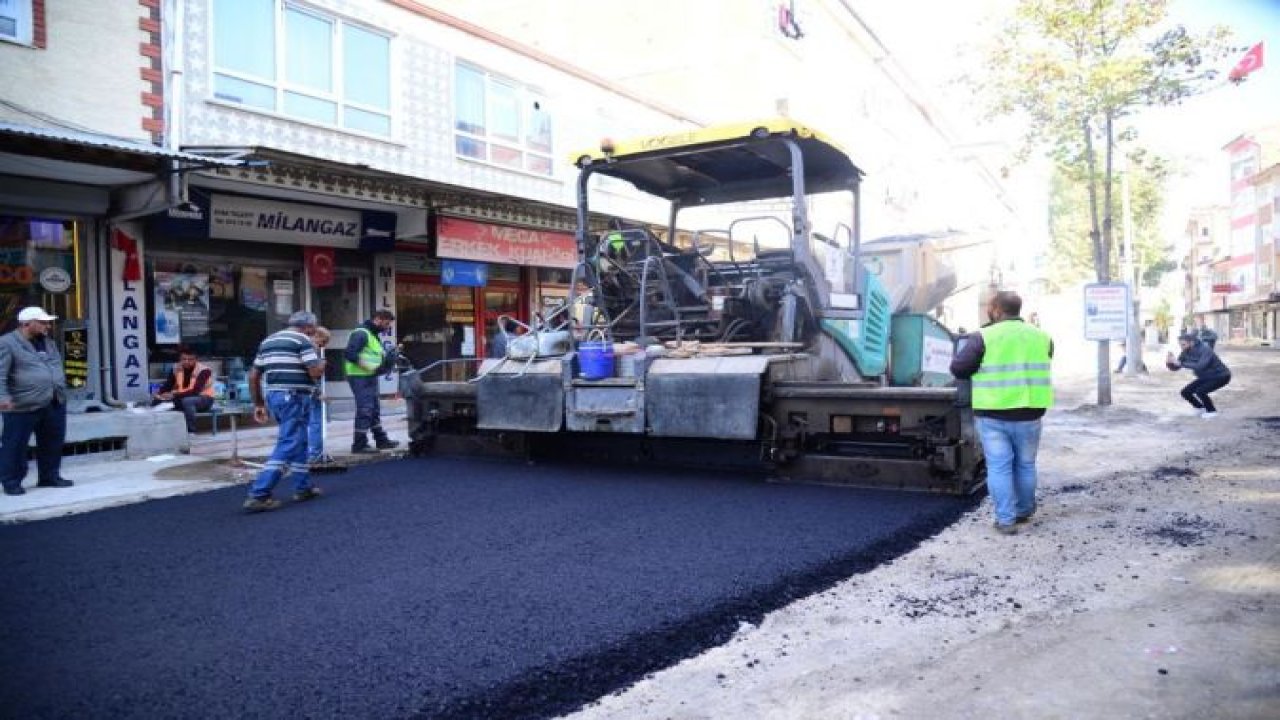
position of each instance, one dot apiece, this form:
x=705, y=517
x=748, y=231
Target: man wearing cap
x=284, y=380
x=33, y=398
x=1211, y=373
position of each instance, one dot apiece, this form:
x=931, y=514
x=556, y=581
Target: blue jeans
x=49, y=423
x=192, y=405
x=292, y=411
x=315, y=430
x=1010, y=447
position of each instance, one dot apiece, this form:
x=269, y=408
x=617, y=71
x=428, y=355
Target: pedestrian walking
x=189, y=388
x=366, y=358
x=1211, y=373
x=283, y=380
x=316, y=454
x=1124, y=359
x=33, y=399
x=1008, y=361
x=1206, y=335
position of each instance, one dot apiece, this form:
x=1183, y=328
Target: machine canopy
x=733, y=163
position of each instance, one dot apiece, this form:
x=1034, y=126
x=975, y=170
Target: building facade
x=1246, y=277
x=1205, y=244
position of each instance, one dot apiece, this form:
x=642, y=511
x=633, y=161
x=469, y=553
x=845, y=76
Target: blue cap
x=302, y=318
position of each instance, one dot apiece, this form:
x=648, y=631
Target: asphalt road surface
x=432, y=588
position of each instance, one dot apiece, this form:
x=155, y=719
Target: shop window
x=285, y=58
x=221, y=310
x=500, y=121
x=38, y=267
x=421, y=322
x=17, y=21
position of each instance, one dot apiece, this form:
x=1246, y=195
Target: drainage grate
x=87, y=447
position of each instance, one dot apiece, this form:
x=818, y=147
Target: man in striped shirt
x=284, y=379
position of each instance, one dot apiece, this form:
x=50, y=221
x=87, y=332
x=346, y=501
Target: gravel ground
x=1146, y=587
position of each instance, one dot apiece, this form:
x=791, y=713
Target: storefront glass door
x=341, y=307
x=498, y=301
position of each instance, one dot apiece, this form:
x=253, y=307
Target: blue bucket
x=595, y=359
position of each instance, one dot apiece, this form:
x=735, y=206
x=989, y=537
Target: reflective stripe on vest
x=372, y=353
x=1015, y=368
x=194, y=375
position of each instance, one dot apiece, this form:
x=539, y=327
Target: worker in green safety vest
x=365, y=358
x=1008, y=364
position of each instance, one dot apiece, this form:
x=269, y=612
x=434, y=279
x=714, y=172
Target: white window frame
x=281, y=85
x=24, y=21
x=526, y=97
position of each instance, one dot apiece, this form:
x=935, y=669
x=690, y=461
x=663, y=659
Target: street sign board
x=1106, y=311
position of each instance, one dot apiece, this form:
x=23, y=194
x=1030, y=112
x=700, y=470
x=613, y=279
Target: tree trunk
x=1100, y=260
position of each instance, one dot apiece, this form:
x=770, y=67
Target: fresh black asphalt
x=433, y=588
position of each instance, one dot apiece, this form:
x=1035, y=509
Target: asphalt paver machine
x=756, y=340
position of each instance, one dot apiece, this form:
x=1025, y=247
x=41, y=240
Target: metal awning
x=62, y=144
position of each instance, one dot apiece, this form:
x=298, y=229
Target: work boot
x=385, y=443
x=257, y=505
x=18, y=490
x=360, y=446
x=56, y=482
x=310, y=493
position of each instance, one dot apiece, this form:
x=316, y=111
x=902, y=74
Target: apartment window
x=15, y=21
x=290, y=59
x=500, y=121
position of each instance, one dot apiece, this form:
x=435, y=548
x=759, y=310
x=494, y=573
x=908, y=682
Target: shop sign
x=384, y=298
x=55, y=280
x=379, y=231
x=417, y=264
x=503, y=244
x=232, y=217
x=459, y=306
x=463, y=273
x=75, y=363
x=130, y=351
x=256, y=219
x=17, y=274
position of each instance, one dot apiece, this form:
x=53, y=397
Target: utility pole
x=1133, y=345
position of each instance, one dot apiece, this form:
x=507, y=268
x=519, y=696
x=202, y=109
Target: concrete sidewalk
x=104, y=480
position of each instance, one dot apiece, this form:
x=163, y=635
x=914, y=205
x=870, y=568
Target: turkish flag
x=1251, y=61
x=132, y=271
x=319, y=265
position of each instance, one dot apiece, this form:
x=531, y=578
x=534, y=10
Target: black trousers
x=49, y=424
x=364, y=390
x=1197, y=391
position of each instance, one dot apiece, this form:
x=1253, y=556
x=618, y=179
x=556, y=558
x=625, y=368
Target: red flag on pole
x=319, y=265
x=1251, y=61
x=132, y=271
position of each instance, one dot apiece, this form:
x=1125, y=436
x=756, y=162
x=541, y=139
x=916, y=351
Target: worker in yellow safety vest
x=365, y=358
x=1008, y=363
